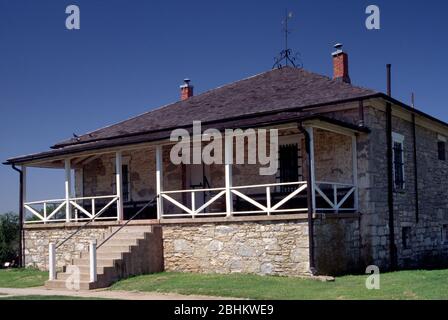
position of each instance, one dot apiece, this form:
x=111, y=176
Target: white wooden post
x=193, y=204
x=68, y=191
x=228, y=172
x=310, y=131
x=92, y=261
x=159, y=180
x=355, y=171
x=52, y=261
x=45, y=212
x=118, y=178
x=268, y=200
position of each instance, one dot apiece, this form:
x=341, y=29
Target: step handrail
x=127, y=222
x=79, y=229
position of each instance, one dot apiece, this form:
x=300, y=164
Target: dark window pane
x=398, y=165
x=441, y=150
x=288, y=165
x=125, y=182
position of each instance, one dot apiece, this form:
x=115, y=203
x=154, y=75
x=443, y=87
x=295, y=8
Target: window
x=406, y=237
x=441, y=148
x=398, y=160
x=289, y=166
x=445, y=233
x=125, y=182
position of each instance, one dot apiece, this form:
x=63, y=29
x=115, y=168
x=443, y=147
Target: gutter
x=21, y=231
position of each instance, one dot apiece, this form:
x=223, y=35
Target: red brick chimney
x=186, y=90
x=340, y=64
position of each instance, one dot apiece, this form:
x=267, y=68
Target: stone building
x=361, y=180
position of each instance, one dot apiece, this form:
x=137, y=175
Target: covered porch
x=317, y=173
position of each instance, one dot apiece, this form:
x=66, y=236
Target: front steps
x=133, y=250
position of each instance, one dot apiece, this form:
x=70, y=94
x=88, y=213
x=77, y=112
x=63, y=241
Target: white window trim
x=398, y=138
x=441, y=138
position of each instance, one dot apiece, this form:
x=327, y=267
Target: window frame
x=128, y=177
x=441, y=140
x=126, y=161
x=406, y=237
x=398, y=138
x=444, y=231
x=285, y=141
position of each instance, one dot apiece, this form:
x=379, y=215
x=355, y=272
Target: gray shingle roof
x=275, y=90
x=275, y=96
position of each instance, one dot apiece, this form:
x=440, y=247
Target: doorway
x=198, y=177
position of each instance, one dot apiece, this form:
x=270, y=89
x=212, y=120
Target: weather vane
x=286, y=56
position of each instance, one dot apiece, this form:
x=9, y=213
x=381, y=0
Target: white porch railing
x=194, y=211
x=336, y=202
x=46, y=214
x=269, y=208
x=335, y=195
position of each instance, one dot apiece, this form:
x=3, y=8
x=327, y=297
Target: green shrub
x=9, y=237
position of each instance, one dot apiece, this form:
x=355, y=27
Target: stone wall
x=426, y=247
x=37, y=239
x=337, y=245
x=267, y=248
x=333, y=157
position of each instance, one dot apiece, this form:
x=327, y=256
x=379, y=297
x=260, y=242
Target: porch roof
x=266, y=120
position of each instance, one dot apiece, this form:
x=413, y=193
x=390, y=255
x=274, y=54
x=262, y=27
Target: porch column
x=119, y=179
x=68, y=191
x=310, y=131
x=159, y=180
x=228, y=172
x=355, y=170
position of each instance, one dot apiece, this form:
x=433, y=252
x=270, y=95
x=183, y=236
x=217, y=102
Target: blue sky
x=131, y=56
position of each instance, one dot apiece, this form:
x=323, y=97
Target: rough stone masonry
x=264, y=247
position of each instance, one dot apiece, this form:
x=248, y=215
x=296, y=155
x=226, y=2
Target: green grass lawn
x=22, y=278
x=396, y=285
x=418, y=284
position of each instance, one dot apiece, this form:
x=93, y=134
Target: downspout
x=414, y=135
x=21, y=231
x=309, y=200
x=390, y=186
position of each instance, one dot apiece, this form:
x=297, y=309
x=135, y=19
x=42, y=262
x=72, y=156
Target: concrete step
x=127, y=235
x=100, y=262
x=132, y=229
x=61, y=284
x=82, y=276
x=120, y=252
x=114, y=248
x=104, y=254
x=122, y=242
x=86, y=269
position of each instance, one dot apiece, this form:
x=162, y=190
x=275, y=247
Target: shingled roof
x=274, y=90
x=276, y=95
